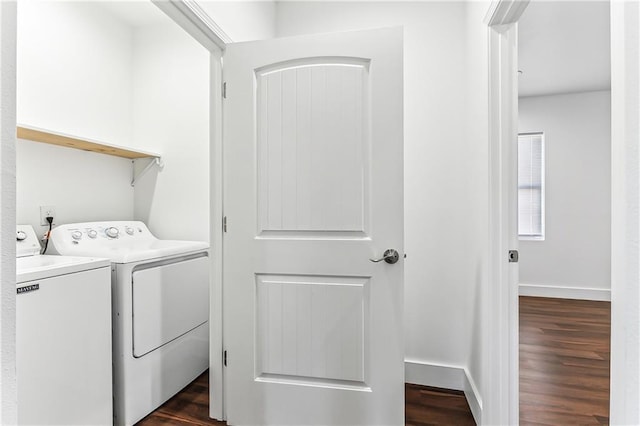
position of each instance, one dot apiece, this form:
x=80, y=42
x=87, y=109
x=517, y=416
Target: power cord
x=46, y=240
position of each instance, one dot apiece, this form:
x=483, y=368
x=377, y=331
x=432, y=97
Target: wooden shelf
x=60, y=139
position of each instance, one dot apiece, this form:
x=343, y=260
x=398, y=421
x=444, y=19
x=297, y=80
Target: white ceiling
x=135, y=13
x=564, y=47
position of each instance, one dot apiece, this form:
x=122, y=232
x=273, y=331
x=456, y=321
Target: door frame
x=8, y=388
x=195, y=21
x=501, y=343
x=625, y=213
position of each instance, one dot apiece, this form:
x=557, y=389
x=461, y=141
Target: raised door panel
x=312, y=329
x=312, y=148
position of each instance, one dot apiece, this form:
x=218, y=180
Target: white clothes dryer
x=160, y=309
x=63, y=337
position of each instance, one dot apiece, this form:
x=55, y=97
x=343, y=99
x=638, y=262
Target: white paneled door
x=313, y=194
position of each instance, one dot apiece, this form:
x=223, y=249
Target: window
x=531, y=186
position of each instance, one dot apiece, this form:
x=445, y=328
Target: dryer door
x=169, y=300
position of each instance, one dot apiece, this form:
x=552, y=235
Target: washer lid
x=31, y=268
x=120, y=241
x=139, y=252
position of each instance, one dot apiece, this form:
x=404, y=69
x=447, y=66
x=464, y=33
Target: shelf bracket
x=155, y=161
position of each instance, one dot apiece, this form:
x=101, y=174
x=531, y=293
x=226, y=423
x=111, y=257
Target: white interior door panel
x=313, y=190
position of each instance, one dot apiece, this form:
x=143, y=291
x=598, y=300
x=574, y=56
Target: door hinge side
x=224, y=224
x=224, y=90
x=224, y=358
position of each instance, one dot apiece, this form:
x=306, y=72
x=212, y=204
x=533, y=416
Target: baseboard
x=564, y=292
x=446, y=377
x=473, y=397
x=437, y=376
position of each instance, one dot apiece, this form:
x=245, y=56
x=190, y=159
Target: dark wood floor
x=564, y=374
x=432, y=406
x=564, y=361
x=189, y=407
x=424, y=406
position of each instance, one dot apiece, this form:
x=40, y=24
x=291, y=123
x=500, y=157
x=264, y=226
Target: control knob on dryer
x=112, y=232
x=129, y=230
x=21, y=236
x=92, y=233
x=76, y=235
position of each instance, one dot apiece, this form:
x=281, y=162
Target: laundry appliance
x=63, y=336
x=160, y=309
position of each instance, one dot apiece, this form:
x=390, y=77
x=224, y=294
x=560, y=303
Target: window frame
x=542, y=236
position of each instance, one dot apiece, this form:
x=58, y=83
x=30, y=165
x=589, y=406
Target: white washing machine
x=160, y=309
x=63, y=337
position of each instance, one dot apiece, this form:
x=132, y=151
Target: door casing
x=500, y=343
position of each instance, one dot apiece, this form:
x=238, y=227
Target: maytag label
x=28, y=288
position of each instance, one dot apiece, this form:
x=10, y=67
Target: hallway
x=564, y=361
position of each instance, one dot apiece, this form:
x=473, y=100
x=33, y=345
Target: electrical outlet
x=46, y=211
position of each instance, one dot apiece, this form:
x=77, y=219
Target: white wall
x=171, y=116
x=8, y=392
x=74, y=76
x=74, y=70
x=83, y=186
x=243, y=20
x=576, y=252
x=445, y=165
x=477, y=201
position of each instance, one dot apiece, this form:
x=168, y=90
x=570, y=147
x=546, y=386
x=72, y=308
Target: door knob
x=390, y=256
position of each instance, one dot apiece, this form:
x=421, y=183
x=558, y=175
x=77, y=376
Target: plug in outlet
x=46, y=211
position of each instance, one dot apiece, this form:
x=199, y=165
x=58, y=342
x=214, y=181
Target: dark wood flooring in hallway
x=564, y=374
x=564, y=361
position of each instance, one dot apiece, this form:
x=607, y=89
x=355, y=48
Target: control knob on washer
x=129, y=230
x=92, y=233
x=76, y=235
x=21, y=236
x=112, y=232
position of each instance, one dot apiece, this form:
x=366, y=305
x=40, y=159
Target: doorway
x=503, y=303
x=564, y=211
